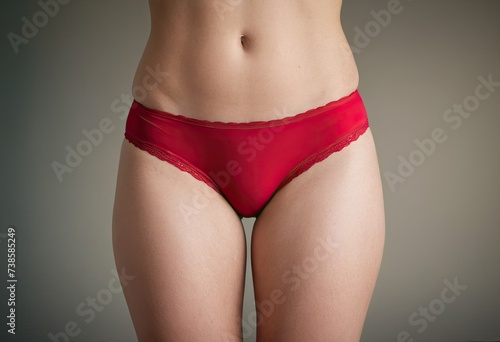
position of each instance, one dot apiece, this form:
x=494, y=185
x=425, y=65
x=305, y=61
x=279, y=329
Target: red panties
x=247, y=163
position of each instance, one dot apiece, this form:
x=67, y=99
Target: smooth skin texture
x=189, y=266
x=295, y=57
x=318, y=243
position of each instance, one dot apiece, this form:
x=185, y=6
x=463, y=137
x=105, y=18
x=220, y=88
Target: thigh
x=184, y=245
x=317, y=248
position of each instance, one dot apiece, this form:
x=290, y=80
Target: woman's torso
x=293, y=57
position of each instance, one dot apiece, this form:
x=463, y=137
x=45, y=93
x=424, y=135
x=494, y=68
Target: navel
x=244, y=41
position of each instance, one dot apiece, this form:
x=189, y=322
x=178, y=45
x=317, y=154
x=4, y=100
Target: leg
x=318, y=245
x=187, y=253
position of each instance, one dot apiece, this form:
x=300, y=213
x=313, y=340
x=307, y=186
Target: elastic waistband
x=344, y=103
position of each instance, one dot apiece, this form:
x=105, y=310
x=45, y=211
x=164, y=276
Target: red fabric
x=249, y=162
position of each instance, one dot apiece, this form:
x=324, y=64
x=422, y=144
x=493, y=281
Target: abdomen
x=247, y=61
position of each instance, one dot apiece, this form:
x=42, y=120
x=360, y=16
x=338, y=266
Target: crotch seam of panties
x=173, y=160
x=320, y=156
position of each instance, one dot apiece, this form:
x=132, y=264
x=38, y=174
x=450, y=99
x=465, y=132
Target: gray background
x=443, y=221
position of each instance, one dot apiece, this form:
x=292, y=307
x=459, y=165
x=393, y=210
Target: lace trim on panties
x=175, y=161
x=346, y=100
x=308, y=163
x=301, y=168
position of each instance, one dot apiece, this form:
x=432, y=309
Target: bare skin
x=316, y=247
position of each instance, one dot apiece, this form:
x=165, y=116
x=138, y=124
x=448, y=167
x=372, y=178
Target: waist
x=243, y=73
